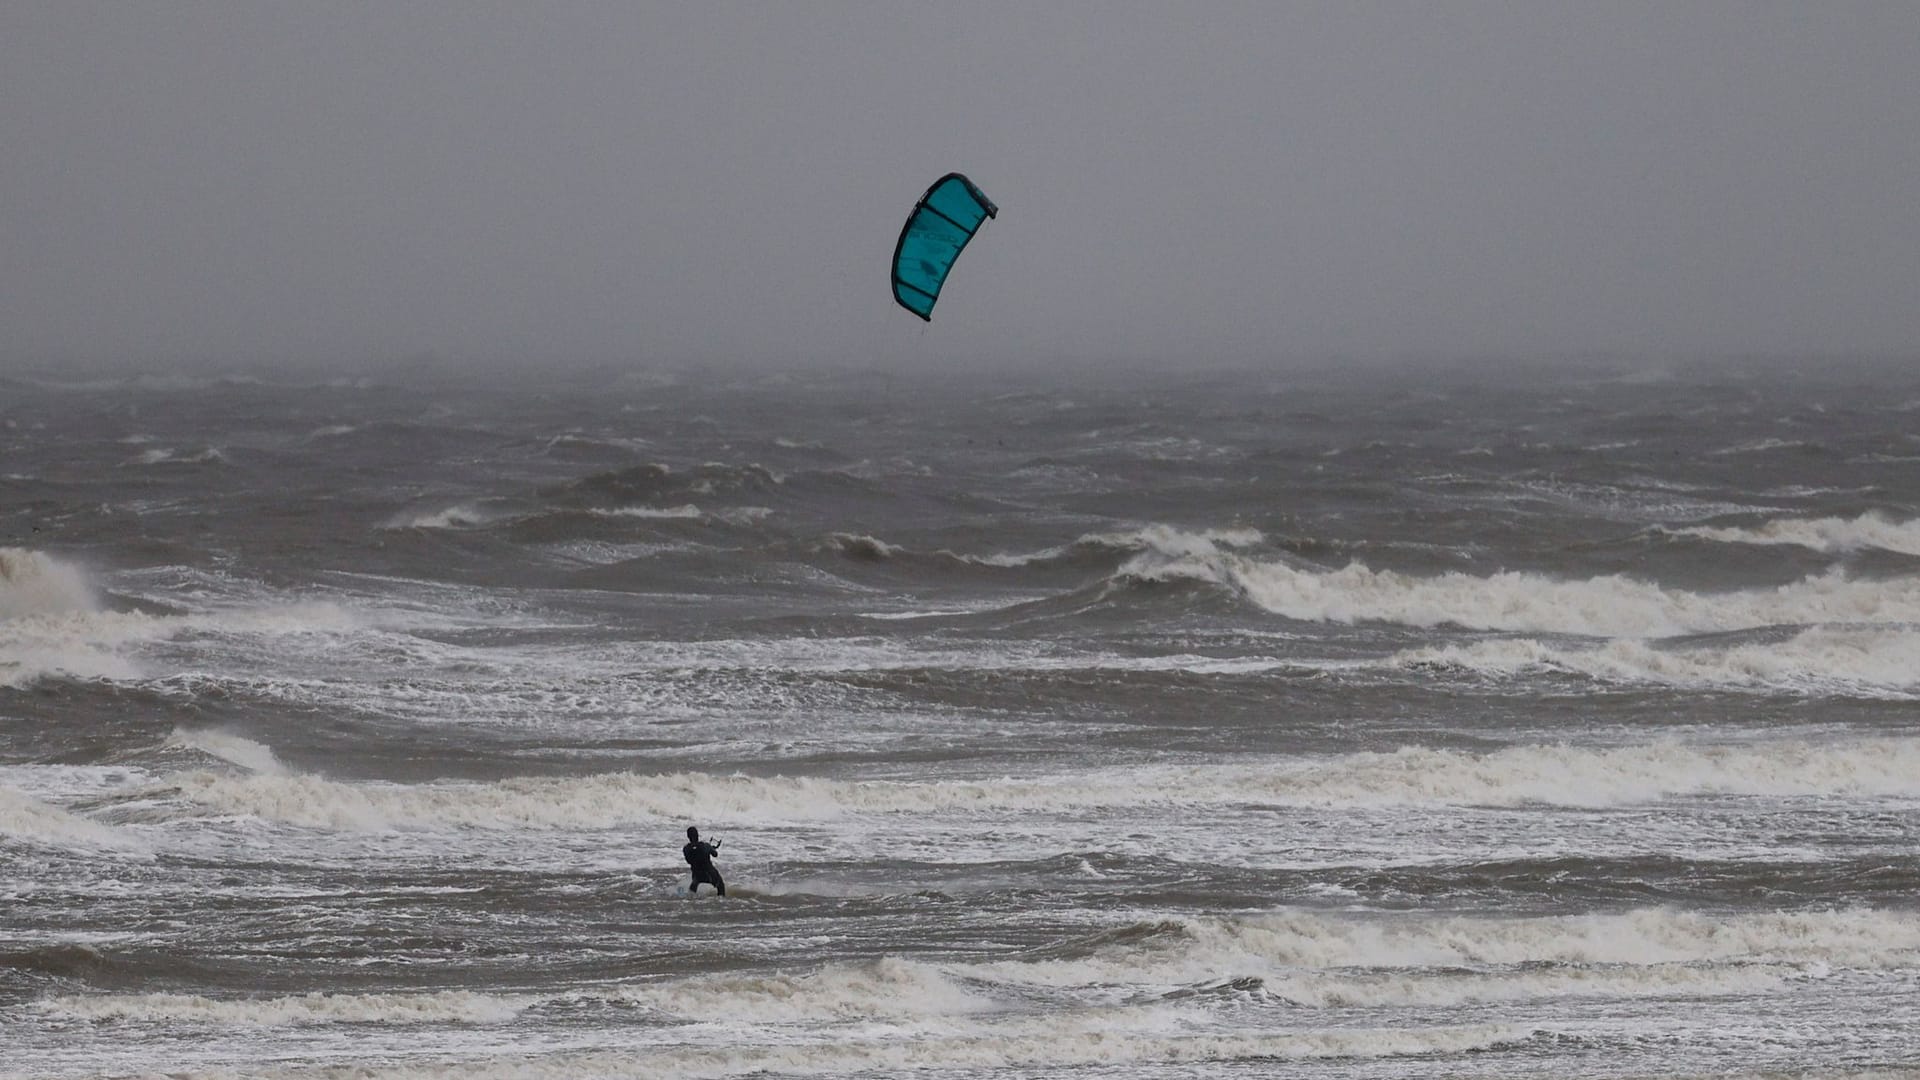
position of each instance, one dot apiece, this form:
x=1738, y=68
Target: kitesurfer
x=700, y=856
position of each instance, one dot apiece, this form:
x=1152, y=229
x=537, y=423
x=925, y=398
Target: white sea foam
x=845, y=654
x=1846, y=660
x=603, y=553
x=274, y=619
x=460, y=516
x=1178, y=543
x=860, y=546
x=684, y=510
x=1161, y=542
x=1608, y=606
x=26, y=818
x=887, y=987
x=576, y=438
x=1828, y=534
x=1114, y=1039
x=1761, y=446
x=88, y=644
x=1600, y=776
x=1201, y=964
x=75, y=647
x=1548, y=775
x=1454, y=988
x=733, y=515
x=165, y=456
x=1310, y=956
x=450, y=1006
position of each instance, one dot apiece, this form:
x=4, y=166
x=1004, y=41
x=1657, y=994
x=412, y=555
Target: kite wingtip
x=924, y=316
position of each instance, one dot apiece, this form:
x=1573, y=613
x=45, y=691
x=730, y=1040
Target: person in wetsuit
x=700, y=856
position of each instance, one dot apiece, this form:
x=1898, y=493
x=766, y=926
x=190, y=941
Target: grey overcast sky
x=1199, y=181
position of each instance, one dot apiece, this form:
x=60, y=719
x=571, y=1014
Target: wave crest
x=230, y=748
x=1322, y=960
x=1515, y=776
x=1607, y=606
x=1830, y=535
x=656, y=484
x=1151, y=543
x=461, y=516
x=1822, y=660
x=889, y=986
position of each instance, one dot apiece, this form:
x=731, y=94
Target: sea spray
x=32, y=583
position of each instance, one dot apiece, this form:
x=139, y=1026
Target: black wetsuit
x=700, y=855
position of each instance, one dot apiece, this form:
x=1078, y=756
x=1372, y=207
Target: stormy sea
x=1397, y=721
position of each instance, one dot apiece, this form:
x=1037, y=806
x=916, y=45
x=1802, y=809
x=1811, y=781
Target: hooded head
x=693, y=833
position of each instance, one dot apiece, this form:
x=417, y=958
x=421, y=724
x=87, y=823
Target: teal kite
x=942, y=222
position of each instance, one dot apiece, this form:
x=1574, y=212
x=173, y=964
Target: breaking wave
x=1321, y=960
x=92, y=645
x=49, y=624
x=25, y=818
x=1304, y=958
x=162, y=456
x=231, y=748
x=887, y=987
x=1177, y=949
x=72, y=646
x=1830, y=535
x=1608, y=606
x=1152, y=545
x=1546, y=775
x=865, y=548
x=461, y=516
x=1820, y=660
x=1155, y=543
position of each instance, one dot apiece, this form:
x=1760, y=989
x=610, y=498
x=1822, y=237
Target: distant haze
x=1201, y=182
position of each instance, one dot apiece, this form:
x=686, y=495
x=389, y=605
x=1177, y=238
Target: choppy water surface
x=1442, y=723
